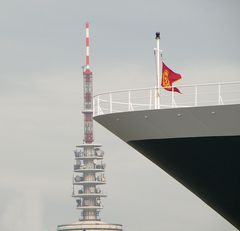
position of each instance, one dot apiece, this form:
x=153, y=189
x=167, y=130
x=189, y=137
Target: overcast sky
x=42, y=51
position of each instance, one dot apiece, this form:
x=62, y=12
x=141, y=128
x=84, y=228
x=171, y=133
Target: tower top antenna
x=87, y=67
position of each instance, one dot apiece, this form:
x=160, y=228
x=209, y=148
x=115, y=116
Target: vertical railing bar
x=98, y=106
x=129, y=100
x=196, y=95
x=110, y=102
x=94, y=106
x=219, y=94
x=150, y=99
x=155, y=98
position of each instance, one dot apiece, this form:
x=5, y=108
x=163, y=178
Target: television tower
x=89, y=168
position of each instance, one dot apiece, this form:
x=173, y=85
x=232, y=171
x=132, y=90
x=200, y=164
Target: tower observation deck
x=89, y=168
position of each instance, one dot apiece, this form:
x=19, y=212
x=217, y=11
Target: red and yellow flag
x=168, y=78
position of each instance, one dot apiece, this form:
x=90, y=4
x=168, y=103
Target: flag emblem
x=165, y=80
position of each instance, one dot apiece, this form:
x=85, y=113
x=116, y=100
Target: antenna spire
x=87, y=47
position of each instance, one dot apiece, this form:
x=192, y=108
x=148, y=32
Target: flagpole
x=158, y=70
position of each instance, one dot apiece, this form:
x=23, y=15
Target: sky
x=42, y=52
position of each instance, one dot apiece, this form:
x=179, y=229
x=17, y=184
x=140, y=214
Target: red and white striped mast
x=87, y=47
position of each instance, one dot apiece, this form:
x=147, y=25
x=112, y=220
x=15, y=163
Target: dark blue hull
x=208, y=166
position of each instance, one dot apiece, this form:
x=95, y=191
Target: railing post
x=150, y=99
x=110, y=102
x=98, y=106
x=94, y=109
x=172, y=97
x=220, y=101
x=129, y=100
x=196, y=95
x=157, y=98
x=219, y=94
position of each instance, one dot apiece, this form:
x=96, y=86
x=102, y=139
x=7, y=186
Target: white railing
x=159, y=98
